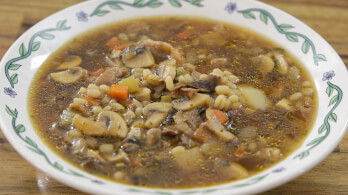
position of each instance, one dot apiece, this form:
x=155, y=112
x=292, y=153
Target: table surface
x=327, y=17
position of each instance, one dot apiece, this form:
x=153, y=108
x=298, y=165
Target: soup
x=172, y=102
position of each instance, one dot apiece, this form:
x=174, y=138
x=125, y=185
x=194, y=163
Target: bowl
x=27, y=54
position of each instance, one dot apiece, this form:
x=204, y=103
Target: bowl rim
x=58, y=175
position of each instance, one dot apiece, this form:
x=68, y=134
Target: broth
x=172, y=102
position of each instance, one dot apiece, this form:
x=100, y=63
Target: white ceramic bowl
x=26, y=55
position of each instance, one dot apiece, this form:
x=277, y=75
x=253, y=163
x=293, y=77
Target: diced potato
x=235, y=171
x=132, y=84
x=187, y=158
x=143, y=94
x=256, y=98
x=285, y=104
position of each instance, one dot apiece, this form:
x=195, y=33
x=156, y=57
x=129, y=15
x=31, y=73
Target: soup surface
x=171, y=102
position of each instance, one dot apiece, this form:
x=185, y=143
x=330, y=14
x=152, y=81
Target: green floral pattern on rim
x=100, y=11
x=32, y=46
x=32, y=145
x=116, y=5
x=282, y=29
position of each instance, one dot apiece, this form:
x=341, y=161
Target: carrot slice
x=220, y=116
x=184, y=34
x=112, y=42
x=98, y=72
x=201, y=135
x=121, y=47
x=181, y=53
x=91, y=101
x=119, y=92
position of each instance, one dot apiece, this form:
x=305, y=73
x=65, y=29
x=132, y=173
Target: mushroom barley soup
x=172, y=102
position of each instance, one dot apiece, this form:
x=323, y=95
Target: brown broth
x=282, y=130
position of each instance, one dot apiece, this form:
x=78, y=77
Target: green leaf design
x=35, y=46
x=314, y=141
x=36, y=150
x=209, y=191
x=154, y=4
x=292, y=37
x=196, y=2
x=319, y=57
x=189, y=192
x=11, y=112
x=61, y=25
x=20, y=128
x=321, y=129
x=333, y=99
x=304, y=154
x=263, y=17
x=285, y=26
x=333, y=117
x=248, y=15
x=46, y=36
x=163, y=193
x=101, y=12
x=138, y=2
x=30, y=142
x=252, y=181
x=134, y=190
x=14, y=78
x=305, y=47
x=175, y=3
x=115, y=6
x=58, y=166
x=22, y=50
x=329, y=90
x=76, y=173
x=14, y=66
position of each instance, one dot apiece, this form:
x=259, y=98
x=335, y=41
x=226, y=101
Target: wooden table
x=327, y=17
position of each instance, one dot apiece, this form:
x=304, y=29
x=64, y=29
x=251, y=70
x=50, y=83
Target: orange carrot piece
x=201, y=135
x=121, y=47
x=184, y=34
x=239, y=152
x=98, y=72
x=112, y=42
x=220, y=116
x=91, y=101
x=119, y=92
x=181, y=53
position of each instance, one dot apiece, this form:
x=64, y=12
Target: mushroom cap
x=68, y=76
x=157, y=107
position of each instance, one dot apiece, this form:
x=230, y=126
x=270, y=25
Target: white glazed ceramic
x=26, y=55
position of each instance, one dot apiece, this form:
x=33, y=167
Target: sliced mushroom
x=108, y=122
x=282, y=65
x=155, y=119
x=88, y=126
x=207, y=84
x=111, y=75
x=167, y=68
x=116, y=125
x=143, y=94
x=163, y=47
x=68, y=76
x=153, y=136
x=265, y=63
x=216, y=127
x=137, y=56
x=70, y=62
x=157, y=107
x=157, y=113
x=198, y=99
